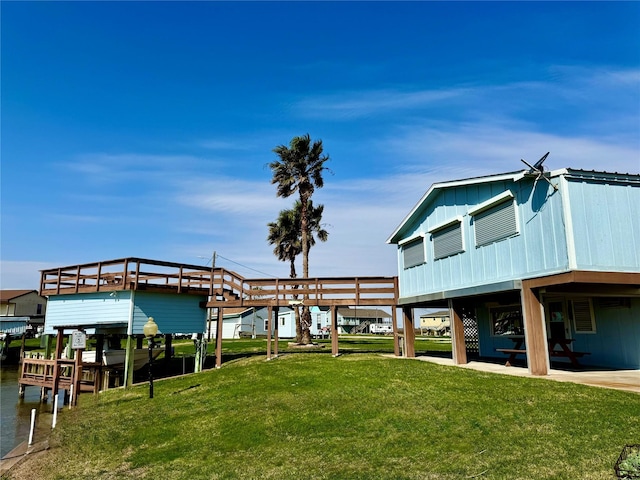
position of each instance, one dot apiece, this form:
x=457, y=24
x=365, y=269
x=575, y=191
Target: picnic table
x=563, y=351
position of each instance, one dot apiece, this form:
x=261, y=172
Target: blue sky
x=145, y=129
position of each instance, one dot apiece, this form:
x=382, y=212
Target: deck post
x=129, y=361
x=168, y=348
x=269, y=323
x=409, y=332
x=396, y=337
x=275, y=332
x=334, y=331
x=47, y=346
x=77, y=378
x=219, y=338
x=198, y=361
x=458, y=345
x=56, y=365
x=535, y=332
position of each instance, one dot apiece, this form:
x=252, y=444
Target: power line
x=217, y=255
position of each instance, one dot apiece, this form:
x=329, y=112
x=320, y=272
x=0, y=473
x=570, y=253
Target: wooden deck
x=224, y=288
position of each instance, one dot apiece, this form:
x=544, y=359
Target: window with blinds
x=447, y=241
x=583, y=319
x=413, y=253
x=495, y=223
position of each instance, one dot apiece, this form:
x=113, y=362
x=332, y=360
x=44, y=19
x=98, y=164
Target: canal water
x=15, y=413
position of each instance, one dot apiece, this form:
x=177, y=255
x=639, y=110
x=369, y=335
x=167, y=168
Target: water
x=15, y=413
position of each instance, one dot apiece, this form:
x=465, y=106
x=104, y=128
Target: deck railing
x=219, y=284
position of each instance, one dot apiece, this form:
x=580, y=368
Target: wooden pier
x=53, y=375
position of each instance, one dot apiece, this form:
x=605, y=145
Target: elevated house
x=320, y=322
x=114, y=299
x=537, y=269
x=435, y=323
x=364, y=320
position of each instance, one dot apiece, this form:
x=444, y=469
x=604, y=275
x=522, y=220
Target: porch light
x=150, y=328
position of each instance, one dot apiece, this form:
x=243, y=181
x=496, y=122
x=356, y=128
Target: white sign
x=78, y=340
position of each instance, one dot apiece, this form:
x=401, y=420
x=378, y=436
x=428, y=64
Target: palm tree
x=299, y=169
x=285, y=234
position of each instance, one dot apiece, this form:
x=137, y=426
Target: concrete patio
x=628, y=380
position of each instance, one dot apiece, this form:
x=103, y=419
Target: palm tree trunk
x=305, y=320
x=296, y=310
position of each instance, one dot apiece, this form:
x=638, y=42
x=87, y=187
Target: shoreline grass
x=352, y=417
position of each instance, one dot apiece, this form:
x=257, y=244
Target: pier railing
x=41, y=373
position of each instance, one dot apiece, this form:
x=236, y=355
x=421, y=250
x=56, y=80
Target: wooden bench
x=513, y=352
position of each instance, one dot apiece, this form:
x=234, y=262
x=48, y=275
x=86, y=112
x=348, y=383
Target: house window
x=39, y=309
x=413, y=253
x=507, y=321
x=447, y=241
x=495, y=223
x=282, y=321
x=266, y=325
x=583, y=318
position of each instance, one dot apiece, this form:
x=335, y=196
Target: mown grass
x=311, y=416
x=346, y=344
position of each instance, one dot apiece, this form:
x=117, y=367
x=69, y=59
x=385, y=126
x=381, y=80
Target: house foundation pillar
x=396, y=337
x=334, y=331
x=458, y=344
x=409, y=332
x=535, y=331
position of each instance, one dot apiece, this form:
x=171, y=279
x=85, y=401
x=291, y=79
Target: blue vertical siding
x=87, y=309
x=173, y=313
x=606, y=225
x=616, y=343
x=539, y=247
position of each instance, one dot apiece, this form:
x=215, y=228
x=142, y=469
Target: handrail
x=219, y=284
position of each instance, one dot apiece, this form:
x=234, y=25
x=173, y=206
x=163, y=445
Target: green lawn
x=364, y=416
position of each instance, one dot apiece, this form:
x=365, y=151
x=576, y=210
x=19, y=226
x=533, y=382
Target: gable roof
x=363, y=312
x=8, y=295
x=513, y=176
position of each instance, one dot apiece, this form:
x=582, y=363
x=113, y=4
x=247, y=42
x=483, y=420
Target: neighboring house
x=241, y=322
x=350, y=320
x=320, y=322
x=24, y=303
x=516, y=257
x=435, y=323
x=361, y=320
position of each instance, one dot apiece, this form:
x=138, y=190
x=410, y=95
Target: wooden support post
x=334, y=331
x=396, y=337
x=77, y=377
x=269, y=323
x=47, y=346
x=99, y=347
x=275, y=332
x=409, y=332
x=168, y=348
x=535, y=332
x=219, y=338
x=129, y=361
x=458, y=345
x=22, y=345
x=198, y=361
x=56, y=365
